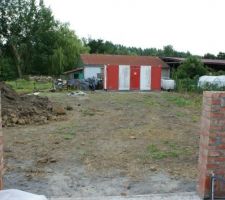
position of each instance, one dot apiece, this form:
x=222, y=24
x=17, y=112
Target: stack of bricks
x=212, y=143
x=1, y=149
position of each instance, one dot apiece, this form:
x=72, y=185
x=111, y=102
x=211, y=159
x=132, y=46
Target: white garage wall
x=124, y=77
x=90, y=72
x=145, y=79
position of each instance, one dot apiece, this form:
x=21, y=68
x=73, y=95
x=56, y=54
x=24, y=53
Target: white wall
x=90, y=72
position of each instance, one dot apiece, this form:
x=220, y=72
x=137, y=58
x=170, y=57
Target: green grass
x=183, y=100
x=180, y=114
x=68, y=136
x=165, y=150
x=24, y=86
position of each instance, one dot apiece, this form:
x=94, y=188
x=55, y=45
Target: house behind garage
x=121, y=72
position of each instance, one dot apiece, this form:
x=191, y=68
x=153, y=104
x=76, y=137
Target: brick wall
x=212, y=143
x=1, y=148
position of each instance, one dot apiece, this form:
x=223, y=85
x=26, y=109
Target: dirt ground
x=111, y=143
x=27, y=109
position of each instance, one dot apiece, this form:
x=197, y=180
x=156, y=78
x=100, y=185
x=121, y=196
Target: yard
x=111, y=143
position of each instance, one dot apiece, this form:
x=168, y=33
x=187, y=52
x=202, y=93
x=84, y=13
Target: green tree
x=168, y=51
x=209, y=56
x=67, y=50
x=190, y=68
x=13, y=28
x=221, y=55
x=34, y=40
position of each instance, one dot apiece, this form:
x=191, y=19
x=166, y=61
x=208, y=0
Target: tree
x=67, y=50
x=13, y=27
x=34, y=40
x=209, y=56
x=168, y=51
x=221, y=55
x=107, y=47
x=190, y=68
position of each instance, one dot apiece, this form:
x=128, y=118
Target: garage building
x=122, y=72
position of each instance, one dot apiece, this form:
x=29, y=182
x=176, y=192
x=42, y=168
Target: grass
x=180, y=114
x=68, y=136
x=24, y=86
x=166, y=150
x=183, y=100
x=88, y=112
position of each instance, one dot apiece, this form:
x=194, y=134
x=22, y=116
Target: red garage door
x=112, y=77
x=156, y=78
x=134, y=77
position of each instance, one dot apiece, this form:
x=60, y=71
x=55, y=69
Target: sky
x=197, y=26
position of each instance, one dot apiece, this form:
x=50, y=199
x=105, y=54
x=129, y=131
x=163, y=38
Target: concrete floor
x=168, y=196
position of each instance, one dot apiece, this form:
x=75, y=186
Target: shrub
x=191, y=68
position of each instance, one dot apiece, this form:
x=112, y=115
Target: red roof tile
x=102, y=59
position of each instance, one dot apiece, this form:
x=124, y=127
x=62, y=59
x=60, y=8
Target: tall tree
x=209, y=56
x=221, y=55
x=37, y=43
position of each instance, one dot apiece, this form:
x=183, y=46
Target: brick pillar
x=1, y=147
x=212, y=143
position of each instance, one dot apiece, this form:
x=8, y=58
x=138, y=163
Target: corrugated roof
x=102, y=59
x=205, y=61
x=73, y=70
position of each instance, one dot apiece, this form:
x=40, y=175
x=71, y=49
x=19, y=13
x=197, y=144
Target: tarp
x=13, y=194
x=218, y=81
x=167, y=84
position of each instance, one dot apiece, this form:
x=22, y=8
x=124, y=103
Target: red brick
x=221, y=146
x=212, y=142
x=216, y=102
x=216, y=115
x=214, y=153
x=219, y=159
x=212, y=166
x=216, y=128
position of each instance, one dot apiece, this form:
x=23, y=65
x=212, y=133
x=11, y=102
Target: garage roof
x=205, y=61
x=103, y=59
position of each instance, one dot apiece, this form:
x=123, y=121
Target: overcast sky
x=197, y=26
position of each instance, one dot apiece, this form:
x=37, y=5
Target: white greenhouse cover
x=13, y=194
x=218, y=81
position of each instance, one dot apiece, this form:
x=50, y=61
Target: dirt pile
x=26, y=109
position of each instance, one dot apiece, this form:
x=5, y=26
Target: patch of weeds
x=166, y=150
x=180, y=114
x=69, y=135
x=91, y=111
x=194, y=118
x=179, y=101
x=182, y=100
x=150, y=101
x=88, y=112
x=25, y=86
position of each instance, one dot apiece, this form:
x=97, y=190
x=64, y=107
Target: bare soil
x=26, y=109
x=111, y=143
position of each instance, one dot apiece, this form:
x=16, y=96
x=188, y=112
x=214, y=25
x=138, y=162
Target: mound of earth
x=26, y=109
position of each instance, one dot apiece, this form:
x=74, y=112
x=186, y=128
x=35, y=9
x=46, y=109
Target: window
x=76, y=76
x=99, y=76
